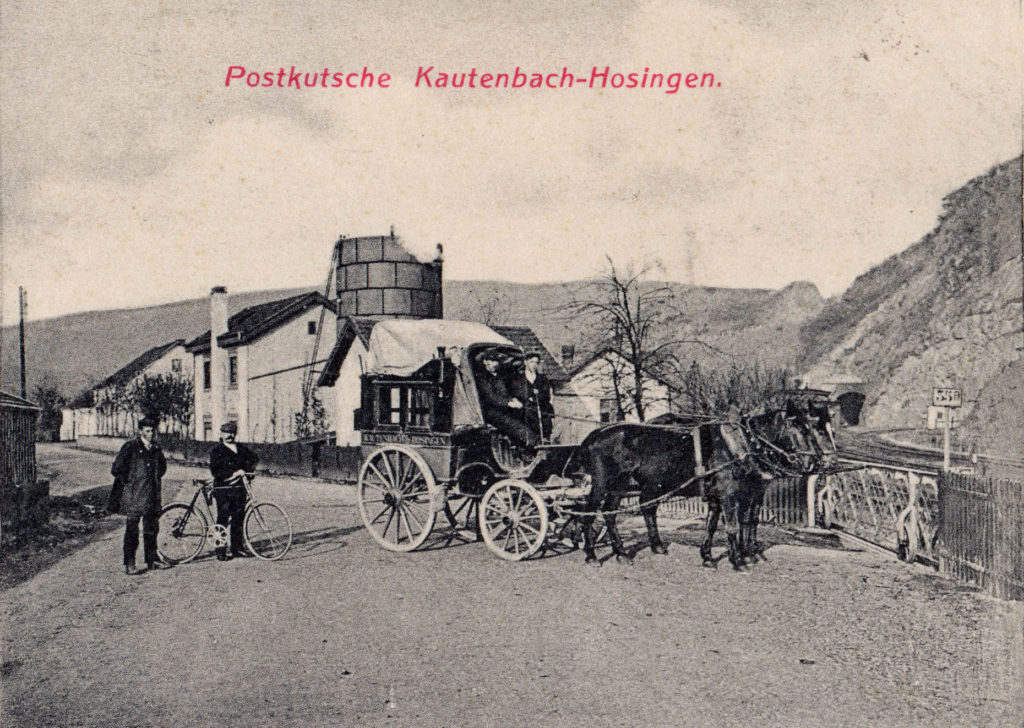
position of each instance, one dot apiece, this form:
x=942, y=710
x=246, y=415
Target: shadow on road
x=318, y=541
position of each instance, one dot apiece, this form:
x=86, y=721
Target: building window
x=609, y=410
x=207, y=427
x=233, y=371
x=176, y=365
x=206, y=373
x=311, y=328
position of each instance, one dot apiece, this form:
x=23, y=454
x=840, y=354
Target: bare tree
x=627, y=315
x=745, y=386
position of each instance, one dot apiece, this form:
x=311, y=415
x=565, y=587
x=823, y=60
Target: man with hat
x=229, y=462
x=533, y=389
x=500, y=408
x=137, y=471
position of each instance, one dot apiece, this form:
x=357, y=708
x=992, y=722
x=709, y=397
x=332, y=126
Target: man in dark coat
x=533, y=389
x=501, y=409
x=229, y=462
x=137, y=471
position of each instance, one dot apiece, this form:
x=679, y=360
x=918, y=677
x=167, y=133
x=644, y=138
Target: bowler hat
x=147, y=422
x=231, y=427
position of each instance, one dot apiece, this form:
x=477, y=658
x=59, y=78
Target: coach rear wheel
x=396, y=497
x=513, y=519
x=182, y=533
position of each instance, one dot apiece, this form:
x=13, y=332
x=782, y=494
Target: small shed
x=17, y=441
x=24, y=501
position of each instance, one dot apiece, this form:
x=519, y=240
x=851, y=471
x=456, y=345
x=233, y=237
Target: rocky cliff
x=945, y=312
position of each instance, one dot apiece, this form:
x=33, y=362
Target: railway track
x=879, y=447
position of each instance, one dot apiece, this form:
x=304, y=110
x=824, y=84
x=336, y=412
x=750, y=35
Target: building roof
x=526, y=340
x=82, y=400
x=9, y=400
x=138, y=365
x=352, y=328
x=253, y=322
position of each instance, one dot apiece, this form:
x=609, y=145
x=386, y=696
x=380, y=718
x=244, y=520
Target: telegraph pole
x=22, y=301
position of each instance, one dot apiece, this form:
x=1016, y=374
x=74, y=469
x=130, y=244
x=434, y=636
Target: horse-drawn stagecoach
x=428, y=452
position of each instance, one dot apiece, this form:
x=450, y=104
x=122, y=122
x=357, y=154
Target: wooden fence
x=981, y=533
x=785, y=503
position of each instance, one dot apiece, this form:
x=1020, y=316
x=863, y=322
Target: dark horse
x=729, y=463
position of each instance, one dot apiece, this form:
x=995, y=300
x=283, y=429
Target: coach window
x=389, y=406
x=420, y=401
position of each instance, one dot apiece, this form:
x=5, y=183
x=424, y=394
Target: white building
x=604, y=385
x=256, y=372
x=109, y=409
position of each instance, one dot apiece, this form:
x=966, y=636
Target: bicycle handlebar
x=203, y=482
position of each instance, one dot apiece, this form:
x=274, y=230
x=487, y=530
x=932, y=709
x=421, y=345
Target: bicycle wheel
x=182, y=533
x=267, y=530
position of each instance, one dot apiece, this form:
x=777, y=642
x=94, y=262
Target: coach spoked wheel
x=397, y=496
x=513, y=519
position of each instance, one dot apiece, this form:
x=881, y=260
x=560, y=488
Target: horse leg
x=710, y=526
x=732, y=531
x=586, y=524
x=612, y=504
x=753, y=516
x=651, y=521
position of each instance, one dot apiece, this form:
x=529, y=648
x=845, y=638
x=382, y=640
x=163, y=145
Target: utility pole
x=22, y=304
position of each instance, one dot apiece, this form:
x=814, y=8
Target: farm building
x=603, y=381
x=257, y=369
x=111, y=407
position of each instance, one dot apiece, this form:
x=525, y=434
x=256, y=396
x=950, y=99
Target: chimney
x=218, y=356
x=568, y=355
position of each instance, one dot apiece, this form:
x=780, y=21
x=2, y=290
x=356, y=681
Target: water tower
x=377, y=277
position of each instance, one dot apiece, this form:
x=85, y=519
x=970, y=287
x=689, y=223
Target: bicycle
x=184, y=527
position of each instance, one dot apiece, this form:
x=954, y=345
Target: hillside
x=945, y=312
x=81, y=349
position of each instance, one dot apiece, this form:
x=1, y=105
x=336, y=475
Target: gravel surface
x=343, y=633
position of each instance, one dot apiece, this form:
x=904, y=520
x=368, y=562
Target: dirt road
x=342, y=633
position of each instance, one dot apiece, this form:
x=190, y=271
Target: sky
x=133, y=174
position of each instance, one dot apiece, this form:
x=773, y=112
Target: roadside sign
x=946, y=397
